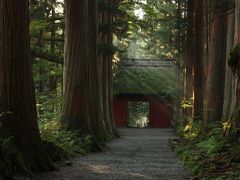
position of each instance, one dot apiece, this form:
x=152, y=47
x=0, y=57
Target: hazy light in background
x=59, y=8
x=139, y=12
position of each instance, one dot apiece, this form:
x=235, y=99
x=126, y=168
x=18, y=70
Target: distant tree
x=47, y=41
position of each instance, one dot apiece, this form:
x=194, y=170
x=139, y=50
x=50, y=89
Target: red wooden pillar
x=120, y=112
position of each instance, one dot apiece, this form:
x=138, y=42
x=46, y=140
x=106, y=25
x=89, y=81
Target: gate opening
x=138, y=114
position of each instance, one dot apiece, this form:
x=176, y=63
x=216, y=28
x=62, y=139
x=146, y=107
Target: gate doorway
x=138, y=114
x=160, y=114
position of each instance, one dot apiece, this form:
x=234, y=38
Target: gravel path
x=139, y=154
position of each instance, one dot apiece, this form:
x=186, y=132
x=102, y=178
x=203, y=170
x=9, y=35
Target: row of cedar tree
x=211, y=76
x=87, y=77
x=212, y=68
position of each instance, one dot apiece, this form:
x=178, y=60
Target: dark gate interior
x=160, y=113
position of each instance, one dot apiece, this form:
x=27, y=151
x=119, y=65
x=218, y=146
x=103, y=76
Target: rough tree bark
x=234, y=111
x=83, y=101
x=199, y=59
x=94, y=73
x=16, y=85
x=105, y=68
x=106, y=59
x=75, y=80
x=216, y=64
x=190, y=56
x=110, y=72
x=52, y=82
x=228, y=76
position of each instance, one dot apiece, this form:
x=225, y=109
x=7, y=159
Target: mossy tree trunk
x=17, y=98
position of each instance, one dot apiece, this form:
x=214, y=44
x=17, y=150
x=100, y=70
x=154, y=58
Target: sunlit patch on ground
x=99, y=168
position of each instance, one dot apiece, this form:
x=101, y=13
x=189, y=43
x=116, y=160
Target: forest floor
x=139, y=154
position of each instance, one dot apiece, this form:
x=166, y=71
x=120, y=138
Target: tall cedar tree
x=17, y=97
x=235, y=65
x=110, y=17
x=228, y=90
x=217, y=61
x=189, y=56
x=84, y=103
x=105, y=56
x=199, y=59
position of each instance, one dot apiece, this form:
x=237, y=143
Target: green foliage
x=124, y=22
x=63, y=144
x=187, y=104
x=210, y=154
x=49, y=105
x=159, y=28
x=46, y=27
x=156, y=29
x=152, y=34
x=59, y=143
x=190, y=130
x=38, y=25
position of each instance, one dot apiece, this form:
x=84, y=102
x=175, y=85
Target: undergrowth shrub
x=208, y=155
x=60, y=143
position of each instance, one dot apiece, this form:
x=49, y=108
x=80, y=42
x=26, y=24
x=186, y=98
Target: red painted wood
x=160, y=115
x=120, y=111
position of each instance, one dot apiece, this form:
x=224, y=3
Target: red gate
x=160, y=112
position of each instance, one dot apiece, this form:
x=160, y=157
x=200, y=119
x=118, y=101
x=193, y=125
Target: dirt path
x=139, y=154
